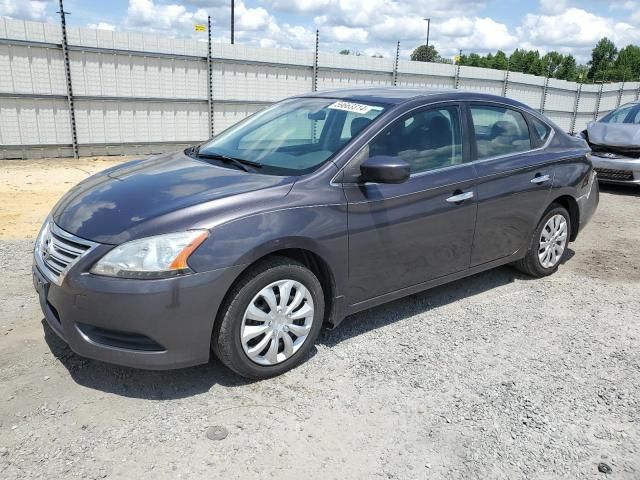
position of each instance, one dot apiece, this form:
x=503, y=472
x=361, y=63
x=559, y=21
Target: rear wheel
x=549, y=243
x=270, y=320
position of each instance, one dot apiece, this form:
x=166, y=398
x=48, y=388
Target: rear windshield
x=295, y=136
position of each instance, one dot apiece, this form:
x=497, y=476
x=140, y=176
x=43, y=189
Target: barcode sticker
x=353, y=107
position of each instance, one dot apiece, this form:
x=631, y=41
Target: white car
x=615, y=145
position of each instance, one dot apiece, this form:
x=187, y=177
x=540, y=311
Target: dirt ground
x=494, y=376
x=29, y=189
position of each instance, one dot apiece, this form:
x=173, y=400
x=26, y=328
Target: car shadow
x=418, y=303
x=186, y=382
x=137, y=383
x=628, y=190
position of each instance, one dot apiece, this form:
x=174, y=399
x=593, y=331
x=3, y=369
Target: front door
x=401, y=235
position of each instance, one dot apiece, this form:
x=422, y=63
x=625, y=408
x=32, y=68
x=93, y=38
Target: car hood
x=158, y=195
x=614, y=134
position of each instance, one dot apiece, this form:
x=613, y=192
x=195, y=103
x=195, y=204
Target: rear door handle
x=540, y=179
x=460, y=197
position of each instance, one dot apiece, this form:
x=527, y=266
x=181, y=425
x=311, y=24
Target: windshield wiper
x=238, y=162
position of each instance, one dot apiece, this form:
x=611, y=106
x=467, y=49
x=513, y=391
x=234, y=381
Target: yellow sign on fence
x=200, y=28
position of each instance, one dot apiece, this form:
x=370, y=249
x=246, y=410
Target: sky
x=365, y=26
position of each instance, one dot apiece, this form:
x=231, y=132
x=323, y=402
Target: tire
x=532, y=264
x=275, y=275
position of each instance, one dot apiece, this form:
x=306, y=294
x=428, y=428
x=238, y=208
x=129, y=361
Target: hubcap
x=553, y=241
x=277, y=322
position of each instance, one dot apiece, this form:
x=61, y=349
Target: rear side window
x=541, y=131
x=499, y=131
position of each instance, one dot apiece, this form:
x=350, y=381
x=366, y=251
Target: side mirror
x=384, y=169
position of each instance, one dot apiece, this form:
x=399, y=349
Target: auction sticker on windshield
x=353, y=107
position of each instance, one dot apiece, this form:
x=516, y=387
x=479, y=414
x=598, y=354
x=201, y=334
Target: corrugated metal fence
x=137, y=93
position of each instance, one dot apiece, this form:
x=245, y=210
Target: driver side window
x=427, y=140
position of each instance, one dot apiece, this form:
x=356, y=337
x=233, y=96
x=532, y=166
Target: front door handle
x=460, y=197
x=538, y=179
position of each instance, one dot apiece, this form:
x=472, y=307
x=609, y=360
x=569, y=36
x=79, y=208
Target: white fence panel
x=28, y=121
x=138, y=92
x=483, y=80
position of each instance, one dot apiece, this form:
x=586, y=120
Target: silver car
x=615, y=145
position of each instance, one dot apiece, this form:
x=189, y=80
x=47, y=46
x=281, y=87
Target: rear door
x=514, y=178
x=405, y=234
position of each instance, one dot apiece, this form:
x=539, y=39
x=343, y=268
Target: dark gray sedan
x=317, y=207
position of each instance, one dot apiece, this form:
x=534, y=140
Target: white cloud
x=355, y=11
x=24, y=9
x=627, y=5
x=169, y=18
x=300, y=6
x=574, y=30
x=553, y=6
x=101, y=26
x=477, y=34
x=370, y=26
x=344, y=34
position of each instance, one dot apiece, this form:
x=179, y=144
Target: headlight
x=44, y=233
x=152, y=257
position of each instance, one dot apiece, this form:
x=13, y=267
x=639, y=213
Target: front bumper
x=622, y=171
x=152, y=324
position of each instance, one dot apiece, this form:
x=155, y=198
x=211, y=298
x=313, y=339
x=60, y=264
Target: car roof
x=399, y=95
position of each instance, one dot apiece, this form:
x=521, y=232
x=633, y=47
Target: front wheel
x=270, y=319
x=548, y=245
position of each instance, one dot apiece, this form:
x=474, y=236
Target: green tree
x=627, y=64
x=551, y=62
x=422, y=54
x=567, y=70
x=582, y=72
x=602, y=59
x=487, y=61
x=500, y=61
x=345, y=52
x=532, y=63
x=517, y=61
x=474, y=60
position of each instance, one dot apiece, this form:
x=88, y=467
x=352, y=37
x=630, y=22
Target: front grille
x=612, y=174
x=57, y=251
x=629, y=152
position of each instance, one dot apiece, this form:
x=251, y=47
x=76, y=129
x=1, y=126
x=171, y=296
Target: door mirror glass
x=384, y=169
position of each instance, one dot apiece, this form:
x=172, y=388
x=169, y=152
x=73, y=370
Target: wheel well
x=570, y=204
x=313, y=262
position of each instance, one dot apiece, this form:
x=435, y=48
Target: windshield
x=626, y=114
x=294, y=136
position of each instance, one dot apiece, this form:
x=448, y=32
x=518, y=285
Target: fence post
x=505, y=87
x=456, y=78
x=595, y=113
x=210, y=77
x=543, y=103
x=395, y=66
x=314, y=80
x=620, y=94
x=67, y=73
x=575, y=109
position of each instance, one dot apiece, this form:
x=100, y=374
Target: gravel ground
x=495, y=376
